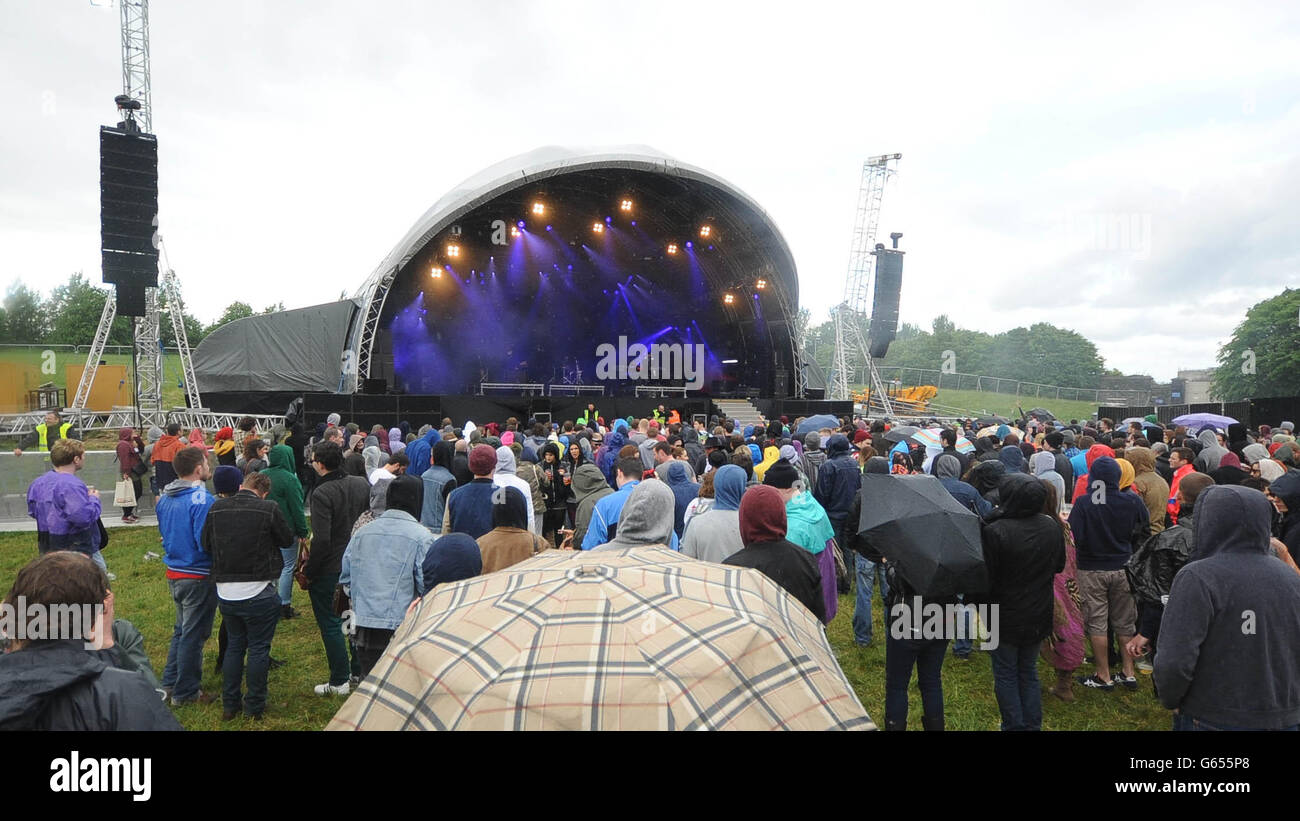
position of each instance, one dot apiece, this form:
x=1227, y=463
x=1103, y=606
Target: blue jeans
x=900, y=656
x=867, y=571
x=98, y=556
x=290, y=556
x=1187, y=723
x=336, y=644
x=963, y=646
x=196, y=605
x=1015, y=683
x=250, y=626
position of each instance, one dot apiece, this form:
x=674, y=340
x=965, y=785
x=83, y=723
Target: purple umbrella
x=1201, y=421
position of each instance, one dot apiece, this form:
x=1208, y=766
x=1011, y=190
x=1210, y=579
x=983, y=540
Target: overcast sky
x=300, y=140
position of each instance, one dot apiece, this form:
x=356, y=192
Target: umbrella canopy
x=1042, y=414
x=985, y=421
x=930, y=438
x=1200, y=421
x=989, y=431
x=900, y=433
x=638, y=639
x=933, y=540
x=816, y=423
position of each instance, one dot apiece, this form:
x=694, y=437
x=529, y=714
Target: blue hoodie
x=419, y=452
x=182, y=510
x=1106, y=531
x=728, y=487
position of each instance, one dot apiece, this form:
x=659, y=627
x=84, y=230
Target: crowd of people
x=1129, y=548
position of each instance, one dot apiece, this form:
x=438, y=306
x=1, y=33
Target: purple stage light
x=548, y=228
x=689, y=245
x=609, y=220
x=520, y=223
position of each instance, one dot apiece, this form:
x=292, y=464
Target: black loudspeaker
x=130, y=300
x=781, y=382
x=373, y=386
x=128, y=209
x=884, y=305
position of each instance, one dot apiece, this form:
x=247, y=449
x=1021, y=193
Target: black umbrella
x=1042, y=414
x=933, y=541
x=985, y=421
x=900, y=433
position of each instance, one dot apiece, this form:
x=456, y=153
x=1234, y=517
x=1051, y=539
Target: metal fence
x=101, y=471
x=996, y=384
x=113, y=349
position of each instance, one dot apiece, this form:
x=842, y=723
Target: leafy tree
x=235, y=310
x=274, y=309
x=25, y=316
x=75, y=309
x=1263, y=357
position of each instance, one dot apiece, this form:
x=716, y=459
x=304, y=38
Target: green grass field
x=142, y=597
x=1004, y=404
x=173, y=393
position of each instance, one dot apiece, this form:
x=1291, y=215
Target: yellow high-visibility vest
x=43, y=444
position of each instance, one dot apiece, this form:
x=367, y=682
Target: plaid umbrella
x=637, y=639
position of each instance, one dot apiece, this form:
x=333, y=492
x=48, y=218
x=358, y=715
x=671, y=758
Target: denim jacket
x=382, y=569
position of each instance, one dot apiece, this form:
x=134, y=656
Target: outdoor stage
x=368, y=410
x=544, y=274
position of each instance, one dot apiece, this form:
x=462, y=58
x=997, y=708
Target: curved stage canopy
x=543, y=269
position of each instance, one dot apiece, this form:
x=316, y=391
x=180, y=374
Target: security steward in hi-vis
x=46, y=434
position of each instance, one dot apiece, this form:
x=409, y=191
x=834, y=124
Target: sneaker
x=1095, y=682
x=331, y=690
x=354, y=682
x=1129, y=682
x=287, y=612
x=201, y=698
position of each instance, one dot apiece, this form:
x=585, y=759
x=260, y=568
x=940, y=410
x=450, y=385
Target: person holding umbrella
x=1023, y=550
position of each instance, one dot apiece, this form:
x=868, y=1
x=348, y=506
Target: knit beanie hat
x=482, y=460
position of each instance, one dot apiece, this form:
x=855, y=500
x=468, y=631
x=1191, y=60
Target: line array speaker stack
x=884, y=305
x=128, y=215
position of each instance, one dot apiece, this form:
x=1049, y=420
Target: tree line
x=70, y=316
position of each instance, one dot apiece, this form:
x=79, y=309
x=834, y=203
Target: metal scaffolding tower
x=146, y=333
x=135, y=58
x=851, y=314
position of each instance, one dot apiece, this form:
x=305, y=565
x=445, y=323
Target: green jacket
x=286, y=490
x=130, y=654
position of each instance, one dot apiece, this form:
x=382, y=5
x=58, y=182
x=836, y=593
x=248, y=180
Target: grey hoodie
x=646, y=518
x=1207, y=461
x=1228, y=636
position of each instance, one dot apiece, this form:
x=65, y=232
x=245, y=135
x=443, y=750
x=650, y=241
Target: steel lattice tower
x=851, y=314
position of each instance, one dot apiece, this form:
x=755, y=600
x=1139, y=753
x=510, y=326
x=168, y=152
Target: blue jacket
x=436, y=481
x=1105, y=533
x=419, y=452
x=384, y=567
x=182, y=511
x=604, y=519
x=967, y=496
x=838, y=480
x=471, y=508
